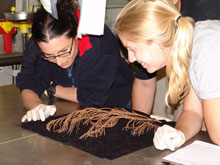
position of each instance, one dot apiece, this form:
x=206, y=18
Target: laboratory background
x=25, y=146
x=20, y=33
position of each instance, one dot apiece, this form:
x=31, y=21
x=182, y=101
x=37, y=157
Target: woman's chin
x=150, y=70
x=65, y=66
x=153, y=69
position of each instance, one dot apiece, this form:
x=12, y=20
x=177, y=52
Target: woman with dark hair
x=89, y=71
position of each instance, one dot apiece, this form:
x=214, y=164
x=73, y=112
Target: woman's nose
x=59, y=61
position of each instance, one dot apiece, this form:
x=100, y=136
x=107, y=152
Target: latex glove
x=40, y=112
x=159, y=118
x=167, y=137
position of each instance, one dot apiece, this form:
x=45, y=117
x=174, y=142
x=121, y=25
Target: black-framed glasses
x=52, y=58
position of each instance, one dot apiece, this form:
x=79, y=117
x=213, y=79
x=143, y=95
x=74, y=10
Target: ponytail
x=178, y=63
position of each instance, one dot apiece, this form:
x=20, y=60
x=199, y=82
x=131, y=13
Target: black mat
x=115, y=143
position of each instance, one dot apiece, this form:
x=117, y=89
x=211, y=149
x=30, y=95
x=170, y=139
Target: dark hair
x=45, y=27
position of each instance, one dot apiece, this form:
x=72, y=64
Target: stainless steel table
x=22, y=147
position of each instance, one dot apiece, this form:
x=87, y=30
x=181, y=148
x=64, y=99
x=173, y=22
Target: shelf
x=10, y=59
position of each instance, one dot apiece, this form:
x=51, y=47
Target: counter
x=10, y=59
x=23, y=147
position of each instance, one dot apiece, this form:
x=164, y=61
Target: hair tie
x=177, y=19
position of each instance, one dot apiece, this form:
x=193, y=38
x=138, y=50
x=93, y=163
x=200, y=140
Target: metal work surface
x=22, y=147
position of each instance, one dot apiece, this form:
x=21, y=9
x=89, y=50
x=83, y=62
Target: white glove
x=40, y=112
x=167, y=137
x=159, y=118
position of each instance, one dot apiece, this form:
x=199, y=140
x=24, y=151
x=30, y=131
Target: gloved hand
x=40, y=112
x=167, y=137
x=159, y=118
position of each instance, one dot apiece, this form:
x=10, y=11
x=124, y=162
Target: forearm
x=143, y=92
x=66, y=93
x=191, y=118
x=189, y=123
x=211, y=116
x=30, y=99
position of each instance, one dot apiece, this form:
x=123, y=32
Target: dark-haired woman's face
x=61, y=50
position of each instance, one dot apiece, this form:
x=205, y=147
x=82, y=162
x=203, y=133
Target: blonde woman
x=157, y=35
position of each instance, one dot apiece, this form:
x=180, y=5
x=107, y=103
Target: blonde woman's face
x=150, y=55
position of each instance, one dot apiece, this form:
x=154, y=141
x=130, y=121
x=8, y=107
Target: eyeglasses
x=53, y=58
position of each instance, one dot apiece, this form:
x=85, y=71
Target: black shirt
x=201, y=10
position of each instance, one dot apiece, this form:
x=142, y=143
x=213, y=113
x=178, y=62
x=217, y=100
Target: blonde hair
x=158, y=21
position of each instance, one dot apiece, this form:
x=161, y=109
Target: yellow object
x=23, y=26
x=6, y=26
x=29, y=35
x=13, y=9
x=31, y=8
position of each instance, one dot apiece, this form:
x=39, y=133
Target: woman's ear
x=177, y=3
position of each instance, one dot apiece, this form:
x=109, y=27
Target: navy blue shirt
x=101, y=75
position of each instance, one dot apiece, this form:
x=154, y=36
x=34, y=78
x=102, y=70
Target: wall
x=4, y=7
x=112, y=10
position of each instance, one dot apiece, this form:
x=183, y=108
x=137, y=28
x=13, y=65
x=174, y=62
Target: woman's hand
x=40, y=112
x=167, y=137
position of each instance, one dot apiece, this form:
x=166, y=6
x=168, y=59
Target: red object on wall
x=7, y=47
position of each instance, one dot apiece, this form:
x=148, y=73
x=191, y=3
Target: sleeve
x=99, y=69
x=205, y=65
x=33, y=74
x=142, y=73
